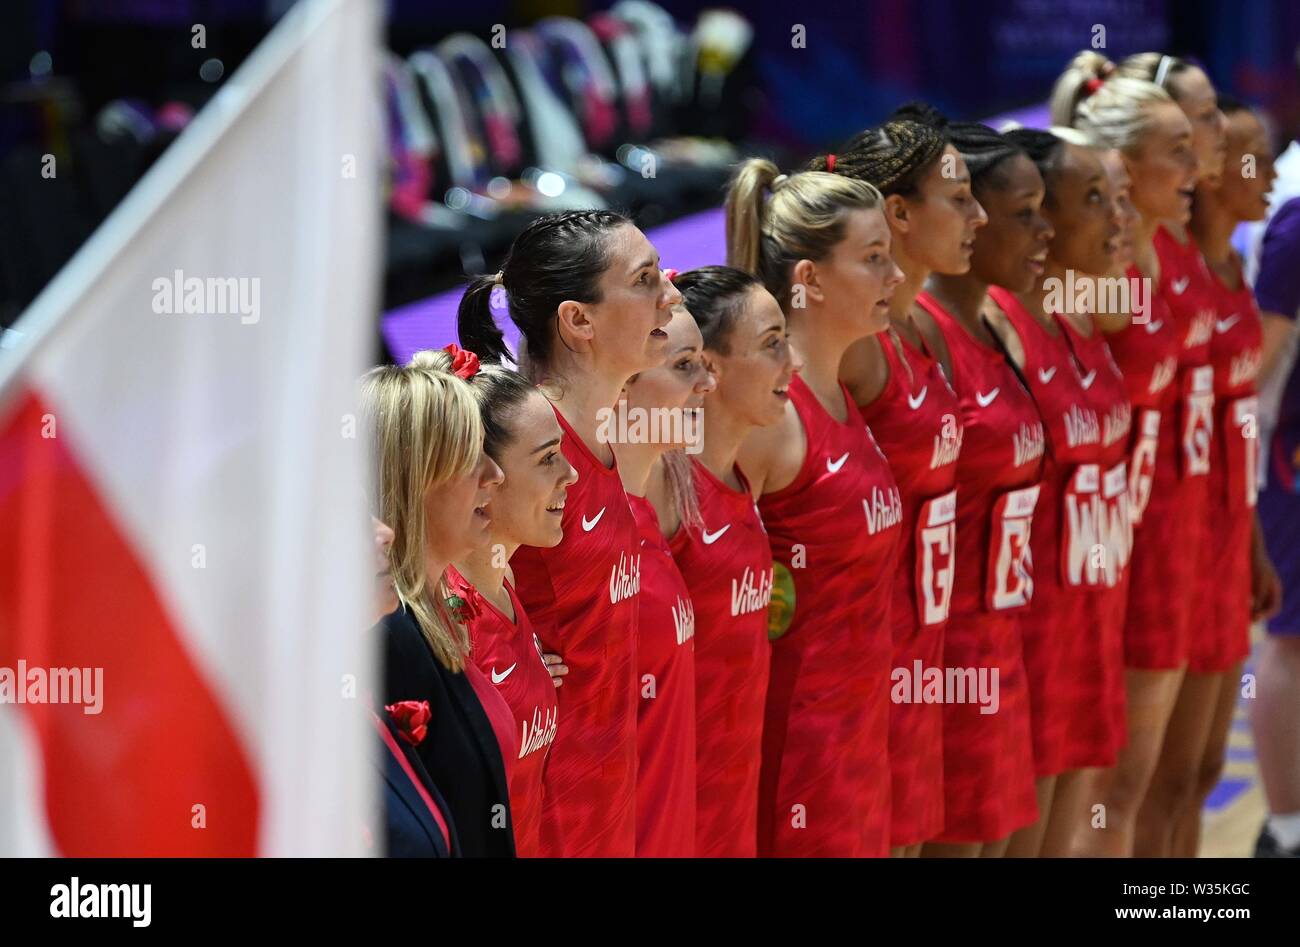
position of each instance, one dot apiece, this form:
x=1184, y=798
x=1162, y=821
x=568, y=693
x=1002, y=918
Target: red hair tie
x=1092, y=85
x=830, y=164
x=463, y=364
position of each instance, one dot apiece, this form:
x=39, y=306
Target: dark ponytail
x=478, y=329
x=556, y=258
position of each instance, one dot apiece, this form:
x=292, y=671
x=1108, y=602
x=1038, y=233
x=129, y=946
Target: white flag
x=182, y=511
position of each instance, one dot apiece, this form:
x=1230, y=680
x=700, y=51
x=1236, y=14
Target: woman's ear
x=896, y=212
x=574, y=322
x=804, y=284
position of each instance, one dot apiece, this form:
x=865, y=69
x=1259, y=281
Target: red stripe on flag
x=73, y=594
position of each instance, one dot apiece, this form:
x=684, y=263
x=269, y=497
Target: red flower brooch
x=464, y=603
x=412, y=719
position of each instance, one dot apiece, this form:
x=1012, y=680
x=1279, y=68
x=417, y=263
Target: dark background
x=971, y=58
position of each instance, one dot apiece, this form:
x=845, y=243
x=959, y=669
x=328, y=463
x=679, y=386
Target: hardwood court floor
x=1236, y=809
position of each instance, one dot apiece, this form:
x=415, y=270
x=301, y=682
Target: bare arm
x=1277, y=331
x=864, y=368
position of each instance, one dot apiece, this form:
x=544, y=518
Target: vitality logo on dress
x=946, y=449
x=1081, y=426
x=624, y=578
x=1162, y=375
x=884, y=510
x=684, y=620
x=1244, y=368
x=1117, y=423
x=751, y=593
x=1201, y=330
x=1028, y=443
x=542, y=733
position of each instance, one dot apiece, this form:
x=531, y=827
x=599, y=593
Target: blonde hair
x=1158, y=68
x=679, y=475
x=1118, y=112
x=1070, y=88
x=426, y=430
x=774, y=220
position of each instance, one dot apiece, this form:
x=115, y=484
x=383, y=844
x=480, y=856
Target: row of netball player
x=965, y=559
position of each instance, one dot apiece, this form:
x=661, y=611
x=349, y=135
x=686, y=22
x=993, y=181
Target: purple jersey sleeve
x=1277, y=287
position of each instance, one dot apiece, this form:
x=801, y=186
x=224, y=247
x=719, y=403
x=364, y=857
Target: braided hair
x=894, y=157
x=982, y=148
x=1045, y=150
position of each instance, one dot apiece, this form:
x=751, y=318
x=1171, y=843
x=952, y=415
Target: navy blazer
x=409, y=827
x=460, y=752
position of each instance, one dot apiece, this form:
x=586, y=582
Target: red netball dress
x=917, y=423
x=665, y=720
x=1098, y=658
x=1185, y=284
x=988, y=754
x=508, y=653
x=1222, y=639
x=582, y=598
x=1146, y=351
x=727, y=565
x=1065, y=535
x=824, y=787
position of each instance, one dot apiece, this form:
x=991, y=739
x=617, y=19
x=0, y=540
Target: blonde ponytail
x=774, y=220
x=746, y=200
x=1072, y=86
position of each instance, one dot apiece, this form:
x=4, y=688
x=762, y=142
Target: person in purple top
x=1275, y=713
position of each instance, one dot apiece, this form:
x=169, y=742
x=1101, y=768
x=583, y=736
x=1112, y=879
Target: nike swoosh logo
x=834, y=465
x=916, y=402
x=1154, y=327
x=1048, y=375
x=589, y=525
x=498, y=678
x=1223, y=325
x=711, y=538
x=1179, y=285
x=1088, y=379
x=986, y=400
